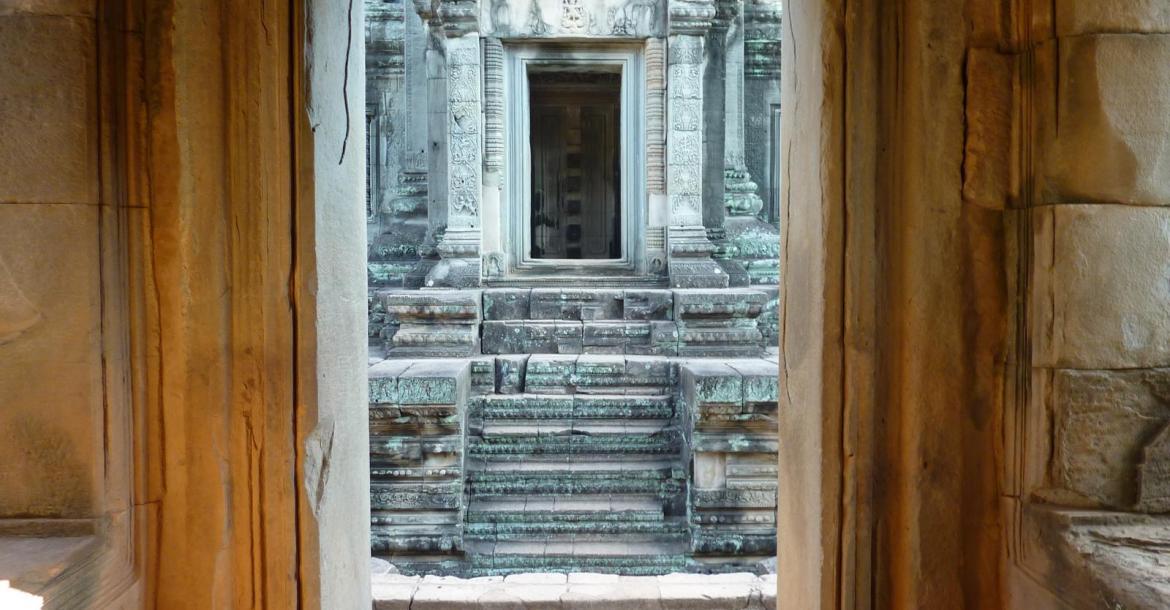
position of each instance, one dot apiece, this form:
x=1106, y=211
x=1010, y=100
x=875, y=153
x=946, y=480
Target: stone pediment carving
x=573, y=18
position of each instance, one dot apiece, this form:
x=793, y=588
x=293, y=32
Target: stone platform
x=633, y=460
x=576, y=591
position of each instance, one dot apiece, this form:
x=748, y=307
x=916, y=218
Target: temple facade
x=573, y=265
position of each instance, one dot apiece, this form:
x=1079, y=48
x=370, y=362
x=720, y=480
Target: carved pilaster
x=459, y=266
x=689, y=249
x=656, y=115
x=739, y=192
x=493, y=100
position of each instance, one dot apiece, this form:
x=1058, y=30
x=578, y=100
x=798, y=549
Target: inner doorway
x=575, y=140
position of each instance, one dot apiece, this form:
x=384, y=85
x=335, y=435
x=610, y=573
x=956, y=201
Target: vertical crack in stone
x=345, y=78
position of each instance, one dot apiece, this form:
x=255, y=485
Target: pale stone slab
x=706, y=596
x=388, y=596
x=49, y=149
x=613, y=596
x=1075, y=17
x=50, y=359
x=1112, y=97
x=1102, y=286
x=1102, y=419
x=537, y=579
x=592, y=578
x=445, y=596
x=1154, y=475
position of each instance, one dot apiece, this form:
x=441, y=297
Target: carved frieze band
x=656, y=115
x=493, y=82
x=463, y=131
x=691, y=16
x=684, y=159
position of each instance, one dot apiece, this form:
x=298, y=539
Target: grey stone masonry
x=433, y=323
x=416, y=455
x=649, y=322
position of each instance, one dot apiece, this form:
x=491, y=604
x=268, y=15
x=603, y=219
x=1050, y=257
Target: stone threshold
x=577, y=591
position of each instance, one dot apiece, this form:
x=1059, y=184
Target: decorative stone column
x=762, y=21
x=749, y=245
x=434, y=127
x=391, y=245
x=739, y=192
x=459, y=265
x=689, y=249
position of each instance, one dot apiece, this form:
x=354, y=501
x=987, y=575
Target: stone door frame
x=516, y=195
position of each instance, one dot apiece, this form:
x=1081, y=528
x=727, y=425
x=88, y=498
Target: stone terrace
x=531, y=430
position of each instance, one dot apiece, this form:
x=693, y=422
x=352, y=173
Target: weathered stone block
x=501, y=337
x=1102, y=420
x=1102, y=284
x=760, y=380
x=50, y=356
x=616, y=334
x=549, y=373
x=648, y=305
x=553, y=337
x=709, y=381
x=483, y=375
x=1154, y=475
x=436, y=306
x=1112, y=97
x=707, y=305
x=648, y=370
x=49, y=150
x=988, y=151
x=434, y=382
x=506, y=303
x=384, y=381
x=575, y=304
x=600, y=365
x=510, y=374
x=1076, y=17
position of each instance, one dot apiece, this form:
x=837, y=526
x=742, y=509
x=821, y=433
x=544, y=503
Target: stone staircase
x=535, y=430
x=577, y=479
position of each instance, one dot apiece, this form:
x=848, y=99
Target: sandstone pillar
x=739, y=191
x=434, y=128
x=689, y=249
x=761, y=99
x=459, y=266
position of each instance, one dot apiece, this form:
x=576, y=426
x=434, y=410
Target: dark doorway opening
x=576, y=160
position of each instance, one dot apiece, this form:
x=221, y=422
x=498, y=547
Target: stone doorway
x=575, y=144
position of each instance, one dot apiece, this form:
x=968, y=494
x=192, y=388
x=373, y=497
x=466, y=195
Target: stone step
x=587, y=527
x=576, y=549
x=560, y=406
x=565, y=507
x=646, y=563
x=567, y=427
x=522, y=446
x=665, y=481
x=560, y=463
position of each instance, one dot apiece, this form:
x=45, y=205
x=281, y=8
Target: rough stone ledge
x=576, y=591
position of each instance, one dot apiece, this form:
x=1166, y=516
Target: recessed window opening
x=575, y=139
